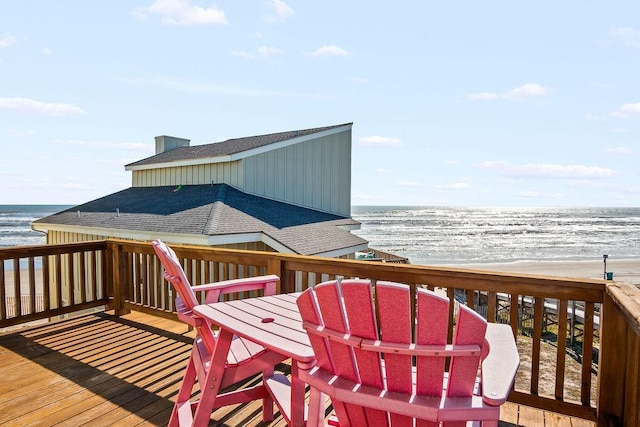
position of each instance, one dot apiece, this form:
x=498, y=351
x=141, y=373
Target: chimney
x=166, y=143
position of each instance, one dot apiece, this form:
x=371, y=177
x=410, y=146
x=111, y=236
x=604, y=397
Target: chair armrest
x=501, y=364
x=214, y=290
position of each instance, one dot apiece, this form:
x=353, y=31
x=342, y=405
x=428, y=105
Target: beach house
x=287, y=192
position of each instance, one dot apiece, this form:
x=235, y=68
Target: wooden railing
x=581, y=322
x=46, y=281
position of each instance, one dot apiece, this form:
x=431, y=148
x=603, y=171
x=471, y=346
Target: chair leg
x=315, y=415
x=185, y=391
x=210, y=387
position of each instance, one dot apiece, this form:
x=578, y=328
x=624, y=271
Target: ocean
x=14, y=223
x=458, y=235
x=448, y=235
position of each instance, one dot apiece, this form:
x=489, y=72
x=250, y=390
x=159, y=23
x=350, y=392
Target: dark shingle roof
x=228, y=147
x=211, y=210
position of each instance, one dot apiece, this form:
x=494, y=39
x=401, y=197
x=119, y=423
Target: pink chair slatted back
x=470, y=329
x=347, y=314
x=309, y=312
x=174, y=273
x=358, y=298
x=432, y=325
x=395, y=327
x=394, y=308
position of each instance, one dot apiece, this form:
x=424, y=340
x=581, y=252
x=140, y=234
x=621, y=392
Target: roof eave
x=242, y=154
x=179, y=163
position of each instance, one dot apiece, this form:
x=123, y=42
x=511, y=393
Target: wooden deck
x=98, y=369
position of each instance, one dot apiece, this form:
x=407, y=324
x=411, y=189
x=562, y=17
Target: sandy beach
x=624, y=270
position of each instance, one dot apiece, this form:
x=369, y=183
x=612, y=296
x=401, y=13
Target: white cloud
x=482, y=96
x=279, y=11
x=38, y=107
x=529, y=90
x=490, y=164
x=451, y=162
x=218, y=89
x=595, y=118
x=627, y=110
x=453, y=186
x=262, y=52
x=530, y=194
x=626, y=35
x=182, y=12
x=618, y=150
x=20, y=133
x=266, y=51
x=549, y=171
x=380, y=141
x=409, y=184
x=46, y=51
x=366, y=197
x=331, y=50
x=7, y=41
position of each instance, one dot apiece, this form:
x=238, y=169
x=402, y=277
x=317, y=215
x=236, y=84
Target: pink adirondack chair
x=214, y=372
x=380, y=370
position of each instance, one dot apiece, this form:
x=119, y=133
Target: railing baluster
x=93, y=275
x=587, y=353
x=32, y=285
x=471, y=298
x=514, y=313
x=537, y=339
x=83, y=277
x=3, y=296
x=561, y=355
x=16, y=288
x=492, y=305
x=58, y=280
x=71, y=283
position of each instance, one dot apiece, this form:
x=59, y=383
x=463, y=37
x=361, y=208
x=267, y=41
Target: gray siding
x=228, y=173
x=314, y=174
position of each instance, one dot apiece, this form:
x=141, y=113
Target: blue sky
x=494, y=103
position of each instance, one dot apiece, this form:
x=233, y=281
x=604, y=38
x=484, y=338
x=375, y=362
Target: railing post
x=274, y=266
x=612, y=361
x=118, y=279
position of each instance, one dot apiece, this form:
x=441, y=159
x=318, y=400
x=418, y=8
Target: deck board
x=103, y=370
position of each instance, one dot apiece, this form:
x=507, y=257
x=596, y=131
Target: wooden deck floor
x=98, y=370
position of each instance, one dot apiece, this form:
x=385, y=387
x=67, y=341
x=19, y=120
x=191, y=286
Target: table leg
x=297, y=396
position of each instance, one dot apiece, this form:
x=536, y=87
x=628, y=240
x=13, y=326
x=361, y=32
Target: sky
x=467, y=103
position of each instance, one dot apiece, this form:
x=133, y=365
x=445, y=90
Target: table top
x=272, y=321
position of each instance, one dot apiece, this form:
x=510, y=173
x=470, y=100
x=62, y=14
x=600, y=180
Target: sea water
x=447, y=235
x=15, y=220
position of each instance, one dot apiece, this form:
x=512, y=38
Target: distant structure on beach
x=287, y=192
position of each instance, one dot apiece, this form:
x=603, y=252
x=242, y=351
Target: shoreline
x=624, y=270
